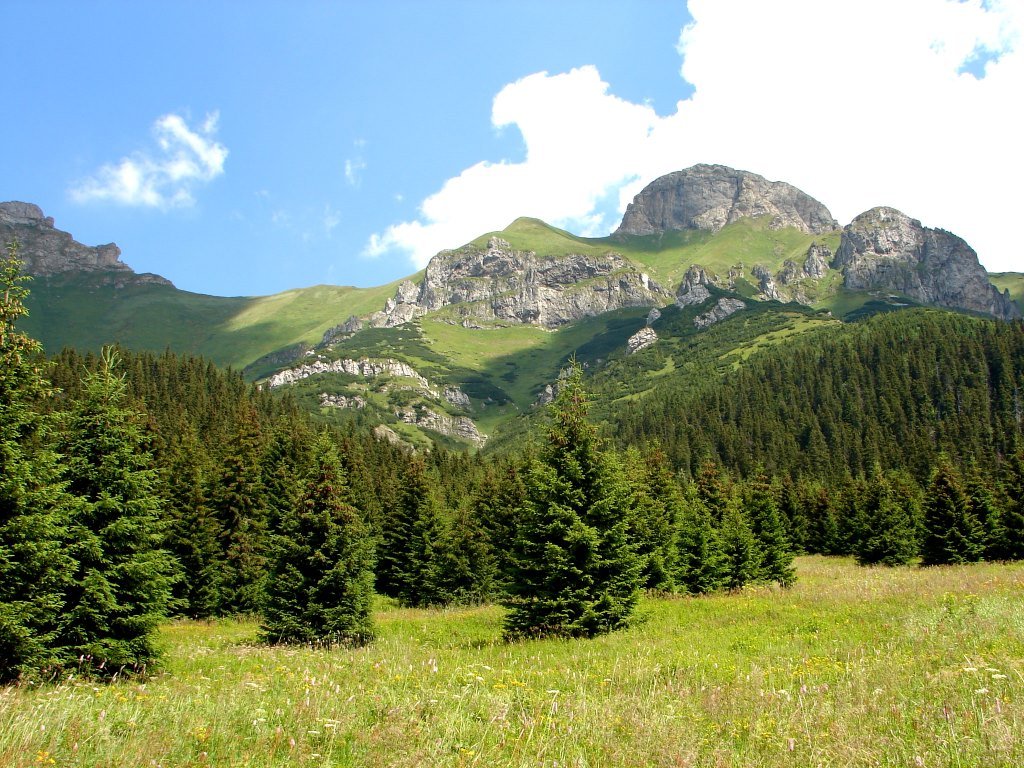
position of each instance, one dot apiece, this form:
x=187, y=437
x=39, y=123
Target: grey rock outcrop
x=766, y=283
x=693, y=290
x=341, y=401
x=498, y=284
x=459, y=427
x=719, y=312
x=343, y=331
x=47, y=250
x=886, y=250
x=364, y=368
x=816, y=264
x=708, y=197
x=642, y=339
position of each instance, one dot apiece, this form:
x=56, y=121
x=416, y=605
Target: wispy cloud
x=331, y=219
x=354, y=166
x=882, y=114
x=164, y=175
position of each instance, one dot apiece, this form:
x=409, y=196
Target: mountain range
x=456, y=352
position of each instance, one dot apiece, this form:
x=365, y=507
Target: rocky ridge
x=498, y=284
x=885, y=250
x=48, y=251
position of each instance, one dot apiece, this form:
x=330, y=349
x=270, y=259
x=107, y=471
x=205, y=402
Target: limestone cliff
x=500, y=285
x=708, y=197
x=885, y=250
x=47, y=250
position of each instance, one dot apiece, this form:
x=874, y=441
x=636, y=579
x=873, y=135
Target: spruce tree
x=886, y=525
x=122, y=581
x=33, y=507
x=699, y=563
x=240, y=504
x=653, y=501
x=761, y=505
x=740, y=553
x=320, y=584
x=952, y=532
x=1012, y=518
x=574, y=572
x=395, y=571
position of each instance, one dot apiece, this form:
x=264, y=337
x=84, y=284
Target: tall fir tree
x=761, y=503
x=952, y=532
x=122, y=581
x=1012, y=518
x=33, y=506
x=396, y=575
x=574, y=571
x=194, y=533
x=320, y=585
x=239, y=502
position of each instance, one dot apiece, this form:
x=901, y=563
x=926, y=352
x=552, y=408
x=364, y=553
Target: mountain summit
x=47, y=250
x=708, y=197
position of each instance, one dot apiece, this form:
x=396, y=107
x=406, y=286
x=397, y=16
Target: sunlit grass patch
x=851, y=667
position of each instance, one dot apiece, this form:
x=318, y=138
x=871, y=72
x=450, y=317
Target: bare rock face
x=719, y=312
x=817, y=261
x=50, y=251
x=642, y=339
x=459, y=427
x=884, y=249
x=693, y=289
x=708, y=197
x=499, y=284
x=766, y=283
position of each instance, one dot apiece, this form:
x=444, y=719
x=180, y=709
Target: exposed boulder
x=642, y=339
x=47, y=250
x=708, y=197
x=721, y=310
x=886, y=250
x=498, y=284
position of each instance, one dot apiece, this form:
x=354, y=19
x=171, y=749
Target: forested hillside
x=894, y=390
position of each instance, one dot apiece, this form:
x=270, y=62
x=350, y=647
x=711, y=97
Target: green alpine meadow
x=736, y=484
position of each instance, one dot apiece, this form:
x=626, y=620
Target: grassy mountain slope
x=86, y=311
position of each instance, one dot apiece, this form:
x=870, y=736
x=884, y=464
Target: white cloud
x=857, y=103
x=165, y=175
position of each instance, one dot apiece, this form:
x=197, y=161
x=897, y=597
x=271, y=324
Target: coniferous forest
x=141, y=486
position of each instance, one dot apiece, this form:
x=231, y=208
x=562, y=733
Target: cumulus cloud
x=910, y=104
x=164, y=175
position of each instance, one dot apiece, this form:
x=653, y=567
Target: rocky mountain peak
x=708, y=197
x=884, y=249
x=499, y=284
x=47, y=250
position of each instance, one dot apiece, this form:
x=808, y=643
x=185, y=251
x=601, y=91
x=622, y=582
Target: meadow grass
x=851, y=667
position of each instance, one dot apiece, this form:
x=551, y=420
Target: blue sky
x=248, y=148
